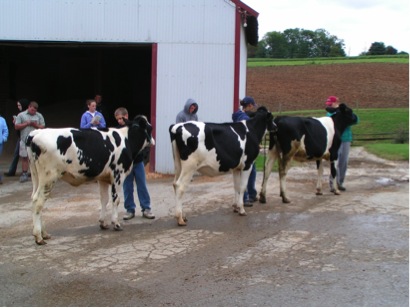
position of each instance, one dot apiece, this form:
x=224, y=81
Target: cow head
x=139, y=134
x=270, y=125
x=343, y=117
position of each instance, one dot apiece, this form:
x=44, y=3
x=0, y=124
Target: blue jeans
x=250, y=191
x=137, y=172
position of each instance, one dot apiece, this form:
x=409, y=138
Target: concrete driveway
x=348, y=250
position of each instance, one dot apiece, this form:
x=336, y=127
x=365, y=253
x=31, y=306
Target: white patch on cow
x=328, y=124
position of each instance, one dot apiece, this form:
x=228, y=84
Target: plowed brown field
x=361, y=85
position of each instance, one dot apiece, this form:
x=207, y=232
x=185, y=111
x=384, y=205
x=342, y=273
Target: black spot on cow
x=93, y=150
x=63, y=143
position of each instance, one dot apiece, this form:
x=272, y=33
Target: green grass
x=260, y=62
x=371, y=121
x=389, y=151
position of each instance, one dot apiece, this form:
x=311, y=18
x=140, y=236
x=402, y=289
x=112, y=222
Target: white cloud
x=358, y=22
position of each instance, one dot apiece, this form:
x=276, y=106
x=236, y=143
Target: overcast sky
x=358, y=22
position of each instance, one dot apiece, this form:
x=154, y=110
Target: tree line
x=301, y=43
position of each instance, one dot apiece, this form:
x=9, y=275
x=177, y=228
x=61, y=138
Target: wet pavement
x=348, y=250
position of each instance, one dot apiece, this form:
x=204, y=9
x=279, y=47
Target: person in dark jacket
x=189, y=113
x=247, y=105
x=22, y=104
x=137, y=173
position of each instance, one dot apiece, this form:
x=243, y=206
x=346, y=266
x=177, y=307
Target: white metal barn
x=149, y=56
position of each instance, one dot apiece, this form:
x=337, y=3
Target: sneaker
x=148, y=214
x=128, y=216
x=253, y=199
x=341, y=188
x=23, y=177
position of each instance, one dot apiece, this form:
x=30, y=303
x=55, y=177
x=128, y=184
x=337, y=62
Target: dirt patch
x=364, y=85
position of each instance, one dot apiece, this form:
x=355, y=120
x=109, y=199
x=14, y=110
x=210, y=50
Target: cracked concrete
x=348, y=250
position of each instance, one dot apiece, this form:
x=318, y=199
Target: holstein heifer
x=306, y=139
x=82, y=155
x=214, y=149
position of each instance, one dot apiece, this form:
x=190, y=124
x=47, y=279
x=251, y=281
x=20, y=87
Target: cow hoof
x=337, y=192
x=42, y=242
x=319, y=193
x=46, y=237
x=262, y=199
x=117, y=227
x=182, y=224
x=235, y=208
x=285, y=200
x=243, y=214
x=104, y=227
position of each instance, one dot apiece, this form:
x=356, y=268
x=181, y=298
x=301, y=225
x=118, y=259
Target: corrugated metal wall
x=195, y=38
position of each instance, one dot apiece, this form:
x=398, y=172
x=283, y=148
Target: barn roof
x=251, y=17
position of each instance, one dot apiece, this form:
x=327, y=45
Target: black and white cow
x=82, y=155
x=214, y=149
x=306, y=139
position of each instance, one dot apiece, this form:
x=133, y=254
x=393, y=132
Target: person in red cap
x=332, y=103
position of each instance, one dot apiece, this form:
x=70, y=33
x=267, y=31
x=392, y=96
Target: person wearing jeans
x=247, y=105
x=138, y=174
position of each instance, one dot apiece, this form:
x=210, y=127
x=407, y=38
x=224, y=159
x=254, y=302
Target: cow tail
x=265, y=153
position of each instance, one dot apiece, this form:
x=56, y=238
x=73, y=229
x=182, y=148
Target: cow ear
x=142, y=121
x=126, y=121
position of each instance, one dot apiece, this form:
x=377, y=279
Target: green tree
x=274, y=45
x=300, y=43
x=377, y=48
x=390, y=50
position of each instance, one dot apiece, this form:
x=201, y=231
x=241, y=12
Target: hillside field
x=359, y=85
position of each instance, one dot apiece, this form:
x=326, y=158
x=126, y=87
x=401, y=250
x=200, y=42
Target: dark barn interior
x=61, y=76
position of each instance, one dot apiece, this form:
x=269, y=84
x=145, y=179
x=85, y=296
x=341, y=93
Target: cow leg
x=34, y=175
x=179, y=187
x=115, y=203
x=240, y=179
x=244, y=177
x=284, y=164
x=333, y=173
x=104, y=198
x=266, y=173
x=39, y=198
x=319, y=166
x=237, y=188
x=104, y=193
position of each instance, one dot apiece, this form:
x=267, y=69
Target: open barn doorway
x=62, y=76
